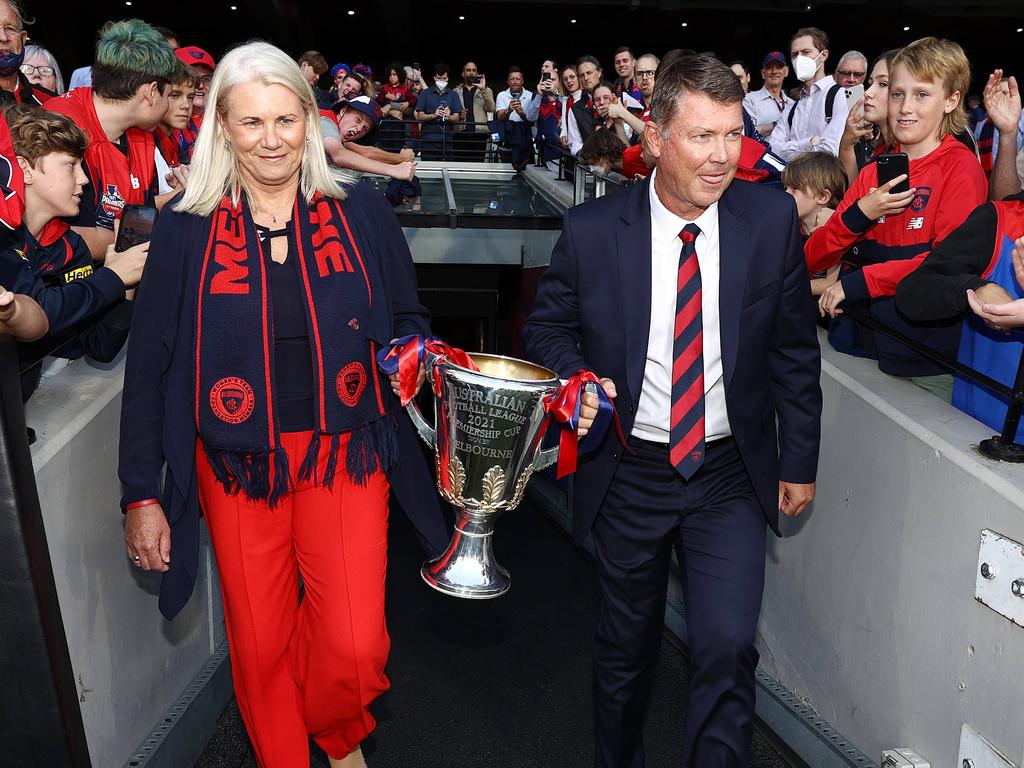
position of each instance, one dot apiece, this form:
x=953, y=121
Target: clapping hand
x=1003, y=108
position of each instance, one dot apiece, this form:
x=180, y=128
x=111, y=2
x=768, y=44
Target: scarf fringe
x=372, y=446
x=308, y=467
x=259, y=475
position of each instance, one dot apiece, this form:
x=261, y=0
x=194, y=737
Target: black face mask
x=9, y=63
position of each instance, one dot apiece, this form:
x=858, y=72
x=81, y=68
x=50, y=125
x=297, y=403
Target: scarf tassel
x=261, y=475
x=308, y=467
x=372, y=446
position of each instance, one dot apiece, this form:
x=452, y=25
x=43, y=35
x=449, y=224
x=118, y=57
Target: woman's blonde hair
x=214, y=169
x=933, y=60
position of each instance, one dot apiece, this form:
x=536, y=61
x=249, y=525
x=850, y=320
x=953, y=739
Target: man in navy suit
x=689, y=294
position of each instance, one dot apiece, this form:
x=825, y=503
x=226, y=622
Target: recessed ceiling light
x=234, y=7
x=351, y=13
x=127, y=2
x=572, y=21
x=684, y=23
x=906, y=29
x=1020, y=29
x=462, y=18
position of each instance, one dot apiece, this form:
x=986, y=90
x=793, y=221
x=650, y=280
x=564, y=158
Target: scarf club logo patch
x=232, y=400
x=350, y=383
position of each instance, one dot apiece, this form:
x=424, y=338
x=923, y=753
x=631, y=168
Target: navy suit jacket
x=593, y=311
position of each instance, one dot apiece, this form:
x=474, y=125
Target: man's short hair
x=605, y=84
x=851, y=55
x=440, y=68
x=601, y=146
x=513, y=69
x=130, y=54
x=681, y=73
x=817, y=173
x=316, y=60
x=167, y=33
x=588, y=59
x=818, y=36
x=933, y=60
x=657, y=61
x=36, y=133
x=624, y=49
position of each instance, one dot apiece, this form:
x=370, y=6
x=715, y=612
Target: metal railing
x=1002, y=447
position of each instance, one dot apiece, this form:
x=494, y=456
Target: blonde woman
x=251, y=375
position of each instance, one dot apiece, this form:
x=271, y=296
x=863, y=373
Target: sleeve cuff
x=109, y=283
x=960, y=297
x=855, y=220
x=855, y=286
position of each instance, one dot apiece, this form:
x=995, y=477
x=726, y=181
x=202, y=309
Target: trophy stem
x=468, y=568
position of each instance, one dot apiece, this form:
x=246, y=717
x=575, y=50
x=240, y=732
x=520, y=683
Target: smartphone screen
x=892, y=165
x=136, y=226
x=545, y=76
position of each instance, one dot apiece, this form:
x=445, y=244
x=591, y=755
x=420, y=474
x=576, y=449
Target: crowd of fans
x=926, y=256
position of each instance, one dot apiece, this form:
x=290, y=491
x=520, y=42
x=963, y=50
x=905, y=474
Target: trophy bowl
x=488, y=426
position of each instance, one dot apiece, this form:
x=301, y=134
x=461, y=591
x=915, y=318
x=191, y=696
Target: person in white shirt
x=517, y=107
x=816, y=122
x=770, y=103
x=573, y=93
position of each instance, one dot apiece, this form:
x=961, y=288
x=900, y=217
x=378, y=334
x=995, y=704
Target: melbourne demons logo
x=920, y=199
x=350, y=383
x=112, y=202
x=232, y=400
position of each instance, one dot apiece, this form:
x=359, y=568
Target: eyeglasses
x=28, y=69
x=11, y=31
x=850, y=73
x=205, y=80
x=644, y=73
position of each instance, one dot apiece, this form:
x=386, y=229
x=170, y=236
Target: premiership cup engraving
x=486, y=440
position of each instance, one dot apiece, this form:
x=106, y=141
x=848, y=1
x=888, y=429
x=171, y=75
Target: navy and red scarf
x=235, y=390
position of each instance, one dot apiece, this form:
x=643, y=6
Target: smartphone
x=853, y=94
x=545, y=75
x=136, y=226
x=473, y=79
x=892, y=165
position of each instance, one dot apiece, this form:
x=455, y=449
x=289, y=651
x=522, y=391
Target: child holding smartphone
x=892, y=233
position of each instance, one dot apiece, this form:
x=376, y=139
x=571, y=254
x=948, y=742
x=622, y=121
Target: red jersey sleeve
x=633, y=162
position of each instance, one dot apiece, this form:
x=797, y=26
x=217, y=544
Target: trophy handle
x=423, y=427
x=548, y=456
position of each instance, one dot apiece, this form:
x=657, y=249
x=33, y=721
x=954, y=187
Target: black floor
x=501, y=683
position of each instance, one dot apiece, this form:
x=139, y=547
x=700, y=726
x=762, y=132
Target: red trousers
x=309, y=667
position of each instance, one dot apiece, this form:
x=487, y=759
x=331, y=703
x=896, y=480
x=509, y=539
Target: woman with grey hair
x=41, y=68
x=251, y=376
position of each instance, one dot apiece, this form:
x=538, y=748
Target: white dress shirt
x=576, y=96
x=809, y=121
x=531, y=105
x=653, y=413
x=763, y=108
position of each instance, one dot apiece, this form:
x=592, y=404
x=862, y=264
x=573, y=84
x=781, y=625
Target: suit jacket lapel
x=734, y=251
x=633, y=244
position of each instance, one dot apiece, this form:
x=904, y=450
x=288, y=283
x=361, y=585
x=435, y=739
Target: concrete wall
x=131, y=664
x=869, y=612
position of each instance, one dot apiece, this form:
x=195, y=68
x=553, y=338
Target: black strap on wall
x=40, y=717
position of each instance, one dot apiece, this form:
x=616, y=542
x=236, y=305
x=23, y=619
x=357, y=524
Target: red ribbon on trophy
x=564, y=407
x=404, y=355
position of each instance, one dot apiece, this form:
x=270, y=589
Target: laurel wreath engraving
x=493, y=487
x=456, y=475
x=494, y=484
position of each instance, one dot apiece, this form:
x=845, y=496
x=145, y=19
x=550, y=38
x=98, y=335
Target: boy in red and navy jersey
x=43, y=258
x=180, y=95
x=202, y=64
x=126, y=102
x=894, y=232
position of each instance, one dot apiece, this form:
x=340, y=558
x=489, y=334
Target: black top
x=293, y=361
x=937, y=289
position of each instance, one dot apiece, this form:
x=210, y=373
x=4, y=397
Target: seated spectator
x=14, y=86
x=439, y=108
x=816, y=122
x=127, y=101
x=355, y=119
x=603, y=150
x=977, y=273
x=893, y=232
x=41, y=69
x=770, y=103
x=851, y=69
x=625, y=82
x=742, y=72
x=21, y=317
x=477, y=107
x=313, y=66
x=180, y=94
x=867, y=132
x=47, y=260
x=516, y=109
x=202, y=64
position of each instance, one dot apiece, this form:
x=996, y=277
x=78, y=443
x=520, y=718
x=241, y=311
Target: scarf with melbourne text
x=235, y=394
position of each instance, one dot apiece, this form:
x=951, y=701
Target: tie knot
x=689, y=233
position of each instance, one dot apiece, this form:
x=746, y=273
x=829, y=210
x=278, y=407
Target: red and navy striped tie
x=686, y=434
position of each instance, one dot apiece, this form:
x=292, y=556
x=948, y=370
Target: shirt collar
x=666, y=226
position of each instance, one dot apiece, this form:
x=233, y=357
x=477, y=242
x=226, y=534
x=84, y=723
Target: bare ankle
x=353, y=760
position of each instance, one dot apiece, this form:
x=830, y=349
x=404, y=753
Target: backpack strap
x=830, y=102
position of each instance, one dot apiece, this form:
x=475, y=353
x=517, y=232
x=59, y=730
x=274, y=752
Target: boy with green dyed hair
x=128, y=98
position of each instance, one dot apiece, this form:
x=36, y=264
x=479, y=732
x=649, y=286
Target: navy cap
x=362, y=104
x=774, y=56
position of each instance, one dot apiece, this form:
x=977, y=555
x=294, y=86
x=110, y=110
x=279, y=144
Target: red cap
x=195, y=56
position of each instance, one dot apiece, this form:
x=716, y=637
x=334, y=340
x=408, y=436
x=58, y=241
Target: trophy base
x=468, y=569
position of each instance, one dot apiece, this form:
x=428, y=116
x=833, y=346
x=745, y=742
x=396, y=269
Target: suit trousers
x=308, y=667
x=717, y=529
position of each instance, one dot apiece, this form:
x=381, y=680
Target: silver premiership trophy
x=486, y=442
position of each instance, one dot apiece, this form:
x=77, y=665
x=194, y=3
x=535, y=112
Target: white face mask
x=804, y=67
x=441, y=85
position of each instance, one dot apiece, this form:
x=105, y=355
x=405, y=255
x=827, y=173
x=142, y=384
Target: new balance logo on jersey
x=916, y=223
